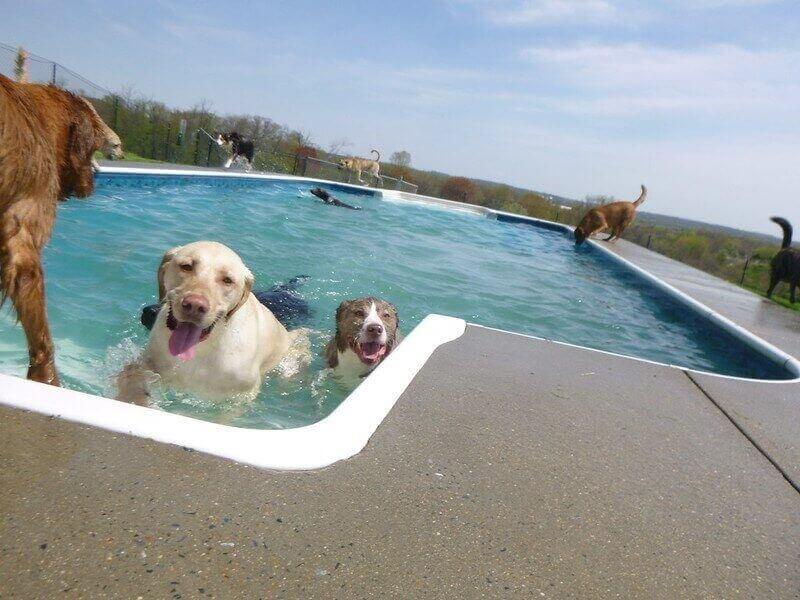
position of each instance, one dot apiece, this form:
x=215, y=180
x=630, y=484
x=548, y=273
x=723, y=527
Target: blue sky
x=699, y=99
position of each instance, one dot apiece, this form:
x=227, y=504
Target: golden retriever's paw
x=44, y=373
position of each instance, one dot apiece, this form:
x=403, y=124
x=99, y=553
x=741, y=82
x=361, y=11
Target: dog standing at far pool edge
x=238, y=147
x=367, y=330
x=359, y=165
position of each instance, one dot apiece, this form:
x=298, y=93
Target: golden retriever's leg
x=23, y=282
x=133, y=384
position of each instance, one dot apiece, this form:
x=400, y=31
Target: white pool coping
x=338, y=436
x=347, y=430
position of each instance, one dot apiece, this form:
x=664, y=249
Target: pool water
x=101, y=268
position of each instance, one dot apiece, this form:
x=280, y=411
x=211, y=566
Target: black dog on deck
x=237, y=146
x=283, y=300
x=328, y=199
x=785, y=265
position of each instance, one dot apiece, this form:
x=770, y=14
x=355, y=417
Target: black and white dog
x=238, y=147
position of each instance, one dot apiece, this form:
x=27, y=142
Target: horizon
x=696, y=99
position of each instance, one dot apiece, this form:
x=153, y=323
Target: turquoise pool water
x=102, y=261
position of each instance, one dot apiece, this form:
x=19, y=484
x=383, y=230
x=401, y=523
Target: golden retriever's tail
x=642, y=197
x=378, y=154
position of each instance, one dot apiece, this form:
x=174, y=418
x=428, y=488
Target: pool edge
x=782, y=359
x=340, y=435
x=347, y=430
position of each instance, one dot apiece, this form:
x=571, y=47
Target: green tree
x=401, y=158
x=460, y=189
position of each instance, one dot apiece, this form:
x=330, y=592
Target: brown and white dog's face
x=368, y=327
x=202, y=284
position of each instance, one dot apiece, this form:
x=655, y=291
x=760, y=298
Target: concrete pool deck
x=511, y=467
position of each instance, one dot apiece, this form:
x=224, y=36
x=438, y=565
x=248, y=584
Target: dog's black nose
x=375, y=328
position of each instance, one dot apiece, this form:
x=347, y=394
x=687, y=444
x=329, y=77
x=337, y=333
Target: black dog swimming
x=785, y=265
x=328, y=199
x=283, y=300
x=237, y=146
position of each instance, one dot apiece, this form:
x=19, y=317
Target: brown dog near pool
x=615, y=216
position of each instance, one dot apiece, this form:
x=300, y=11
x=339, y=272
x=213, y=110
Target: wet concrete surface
x=767, y=412
x=509, y=468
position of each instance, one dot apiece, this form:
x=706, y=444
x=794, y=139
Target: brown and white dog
x=615, y=216
x=47, y=139
x=367, y=330
x=359, y=165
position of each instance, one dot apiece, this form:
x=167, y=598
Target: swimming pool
x=102, y=261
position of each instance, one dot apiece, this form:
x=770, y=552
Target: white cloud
x=713, y=4
x=529, y=12
x=634, y=78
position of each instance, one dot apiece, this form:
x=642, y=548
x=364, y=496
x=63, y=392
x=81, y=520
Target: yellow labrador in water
x=212, y=336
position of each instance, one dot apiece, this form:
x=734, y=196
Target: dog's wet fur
x=325, y=196
x=615, y=216
x=367, y=330
x=785, y=265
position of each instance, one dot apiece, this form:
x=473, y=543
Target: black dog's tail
x=787, y=231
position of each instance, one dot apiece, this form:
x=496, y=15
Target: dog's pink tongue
x=183, y=340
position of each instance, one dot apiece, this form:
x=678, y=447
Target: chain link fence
x=150, y=131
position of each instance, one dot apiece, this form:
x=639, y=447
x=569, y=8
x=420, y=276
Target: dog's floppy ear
x=248, y=287
x=341, y=343
x=165, y=260
x=392, y=342
x=80, y=147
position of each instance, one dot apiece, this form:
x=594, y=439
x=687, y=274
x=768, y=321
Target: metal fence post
x=744, y=271
x=115, y=118
x=294, y=167
x=166, y=142
x=208, y=156
x=196, y=146
x=649, y=239
x=53, y=80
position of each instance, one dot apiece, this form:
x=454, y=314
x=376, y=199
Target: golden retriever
x=47, y=138
x=615, y=216
x=212, y=337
